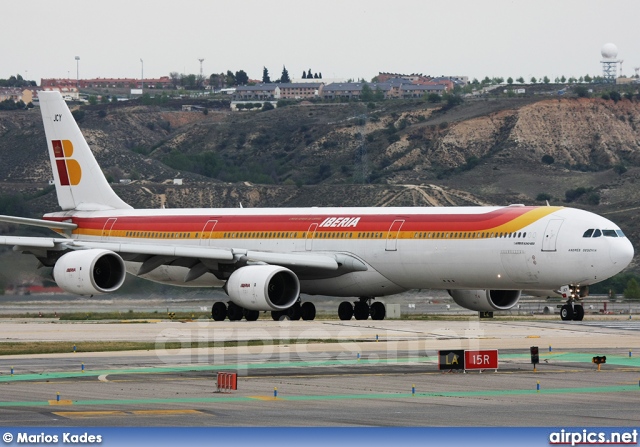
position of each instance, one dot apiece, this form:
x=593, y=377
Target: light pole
x=78, y=73
x=142, y=73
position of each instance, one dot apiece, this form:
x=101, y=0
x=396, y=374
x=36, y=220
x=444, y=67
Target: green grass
x=56, y=347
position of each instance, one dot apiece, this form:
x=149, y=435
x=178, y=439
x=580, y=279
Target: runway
x=344, y=377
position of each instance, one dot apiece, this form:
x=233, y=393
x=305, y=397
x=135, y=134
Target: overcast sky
x=339, y=38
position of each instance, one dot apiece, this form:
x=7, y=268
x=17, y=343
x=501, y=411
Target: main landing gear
x=220, y=311
x=362, y=309
x=306, y=311
x=572, y=310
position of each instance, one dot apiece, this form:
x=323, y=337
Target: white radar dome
x=609, y=51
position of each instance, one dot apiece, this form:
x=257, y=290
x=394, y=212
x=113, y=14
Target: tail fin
x=80, y=183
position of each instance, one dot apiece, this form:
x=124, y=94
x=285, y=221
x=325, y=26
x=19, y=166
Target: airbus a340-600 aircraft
x=264, y=258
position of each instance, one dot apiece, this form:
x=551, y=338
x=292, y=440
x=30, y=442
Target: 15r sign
x=485, y=359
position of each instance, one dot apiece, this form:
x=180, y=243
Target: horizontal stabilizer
x=67, y=226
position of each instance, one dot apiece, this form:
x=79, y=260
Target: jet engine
x=263, y=287
x=89, y=272
x=486, y=300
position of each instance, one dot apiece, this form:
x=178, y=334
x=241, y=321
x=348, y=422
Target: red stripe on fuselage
x=301, y=222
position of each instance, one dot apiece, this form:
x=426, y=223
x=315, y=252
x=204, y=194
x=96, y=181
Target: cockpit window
x=620, y=233
x=588, y=233
x=609, y=233
x=597, y=233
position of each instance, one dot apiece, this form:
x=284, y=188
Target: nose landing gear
x=573, y=310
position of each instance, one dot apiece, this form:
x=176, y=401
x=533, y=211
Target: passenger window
x=597, y=233
x=609, y=233
x=588, y=233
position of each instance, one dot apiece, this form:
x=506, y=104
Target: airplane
x=265, y=258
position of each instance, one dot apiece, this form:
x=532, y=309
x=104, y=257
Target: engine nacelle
x=486, y=300
x=263, y=287
x=89, y=272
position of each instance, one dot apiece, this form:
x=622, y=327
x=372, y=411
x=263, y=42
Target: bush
x=393, y=138
x=78, y=115
x=548, y=159
x=619, y=169
x=593, y=198
x=574, y=194
x=543, y=196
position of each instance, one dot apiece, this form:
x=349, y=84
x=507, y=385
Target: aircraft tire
x=578, y=312
x=361, y=310
x=251, y=315
x=378, y=311
x=566, y=312
x=235, y=312
x=219, y=311
x=294, y=312
x=308, y=311
x=345, y=311
x=276, y=315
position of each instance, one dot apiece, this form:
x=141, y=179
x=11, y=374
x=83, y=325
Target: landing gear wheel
x=566, y=312
x=277, y=315
x=361, y=310
x=219, y=311
x=345, y=310
x=251, y=315
x=294, y=312
x=378, y=311
x=308, y=311
x=578, y=312
x=235, y=312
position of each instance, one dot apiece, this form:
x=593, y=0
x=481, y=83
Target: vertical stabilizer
x=80, y=183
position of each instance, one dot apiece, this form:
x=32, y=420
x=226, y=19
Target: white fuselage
x=506, y=248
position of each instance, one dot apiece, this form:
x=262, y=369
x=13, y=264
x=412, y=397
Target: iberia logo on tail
x=68, y=168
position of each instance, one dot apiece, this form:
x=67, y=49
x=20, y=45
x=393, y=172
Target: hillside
x=487, y=151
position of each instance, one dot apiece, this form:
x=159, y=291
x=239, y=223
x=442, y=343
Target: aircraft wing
x=154, y=255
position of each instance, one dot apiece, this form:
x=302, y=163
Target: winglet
x=80, y=183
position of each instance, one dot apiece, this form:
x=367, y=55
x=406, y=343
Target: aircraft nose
x=621, y=252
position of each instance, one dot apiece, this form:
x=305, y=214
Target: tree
x=229, y=79
x=632, y=291
x=366, y=94
x=216, y=81
x=546, y=80
x=285, y=76
x=265, y=76
x=520, y=80
x=615, y=96
x=304, y=74
x=548, y=159
x=309, y=74
x=581, y=91
x=434, y=97
x=510, y=80
x=241, y=77
x=533, y=80
x=563, y=79
x=588, y=79
x=175, y=79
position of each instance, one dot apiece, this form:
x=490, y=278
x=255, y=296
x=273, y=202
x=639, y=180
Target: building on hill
x=353, y=90
x=298, y=90
x=261, y=92
x=159, y=83
x=301, y=90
